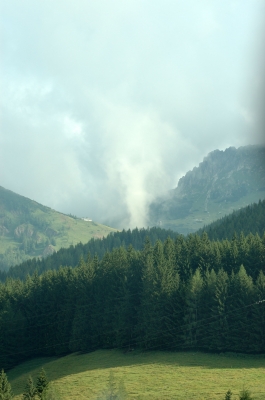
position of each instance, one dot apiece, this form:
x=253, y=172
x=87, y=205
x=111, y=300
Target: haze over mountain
x=105, y=105
x=225, y=181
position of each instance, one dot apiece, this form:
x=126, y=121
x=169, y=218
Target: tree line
x=246, y=220
x=39, y=391
x=70, y=256
x=187, y=293
x=250, y=219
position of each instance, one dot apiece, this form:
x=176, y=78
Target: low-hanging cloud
x=106, y=105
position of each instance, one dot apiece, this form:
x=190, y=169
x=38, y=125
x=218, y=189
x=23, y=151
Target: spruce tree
x=240, y=320
x=228, y=395
x=192, y=329
x=30, y=390
x=245, y=395
x=218, y=325
x=207, y=300
x=81, y=337
x=42, y=385
x=5, y=387
x=258, y=316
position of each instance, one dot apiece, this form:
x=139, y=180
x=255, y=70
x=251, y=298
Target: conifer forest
x=175, y=294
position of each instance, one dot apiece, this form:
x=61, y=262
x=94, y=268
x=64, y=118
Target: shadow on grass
x=57, y=368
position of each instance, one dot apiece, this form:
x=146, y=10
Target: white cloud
x=247, y=115
x=106, y=104
x=72, y=129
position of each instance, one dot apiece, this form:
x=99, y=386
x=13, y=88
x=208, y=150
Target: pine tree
x=133, y=297
x=228, y=395
x=183, y=258
x=218, y=325
x=240, y=316
x=81, y=335
x=192, y=312
x=30, y=390
x=258, y=316
x=42, y=385
x=5, y=387
x=245, y=395
x=207, y=300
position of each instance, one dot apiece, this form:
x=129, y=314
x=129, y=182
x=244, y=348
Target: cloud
x=107, y=104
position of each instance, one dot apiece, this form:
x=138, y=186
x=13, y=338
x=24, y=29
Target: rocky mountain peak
x=223, y=181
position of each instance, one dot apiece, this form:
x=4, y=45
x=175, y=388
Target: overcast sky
x=105, y=104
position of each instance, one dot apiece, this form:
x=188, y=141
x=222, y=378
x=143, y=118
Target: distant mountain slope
x=250, y=219
x=71, y=256
x=225, y=181
x=29, y=229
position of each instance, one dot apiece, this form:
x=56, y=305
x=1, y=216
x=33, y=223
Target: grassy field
x=72, y=231
x=150, y=375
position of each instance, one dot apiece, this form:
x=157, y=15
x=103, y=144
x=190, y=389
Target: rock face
x=223, y=181
x=24, y=229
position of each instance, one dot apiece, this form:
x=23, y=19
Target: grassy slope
x=72, y=231
x=152, y=375
x=46, y=224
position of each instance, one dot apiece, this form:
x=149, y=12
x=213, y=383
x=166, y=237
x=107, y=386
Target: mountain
x=248, y=220
x=29, y=229
x=225, y=181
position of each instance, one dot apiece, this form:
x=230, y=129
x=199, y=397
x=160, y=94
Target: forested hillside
x=249, y=219
x=183, y=294
x=29, y=229
x=71, y=256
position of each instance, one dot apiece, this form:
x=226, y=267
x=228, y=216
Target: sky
x=106, y=104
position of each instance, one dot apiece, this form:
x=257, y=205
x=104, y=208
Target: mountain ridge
x=223, y=182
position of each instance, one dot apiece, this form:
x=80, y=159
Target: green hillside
x=71, y=256
x=246, y=220
x=147, y=376
x=29, y=229
x=250, y=219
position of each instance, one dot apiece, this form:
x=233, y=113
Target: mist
x=106, y=104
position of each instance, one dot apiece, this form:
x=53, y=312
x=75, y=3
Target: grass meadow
x=147, y=375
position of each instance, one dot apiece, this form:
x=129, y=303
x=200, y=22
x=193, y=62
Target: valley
x=132, y=200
